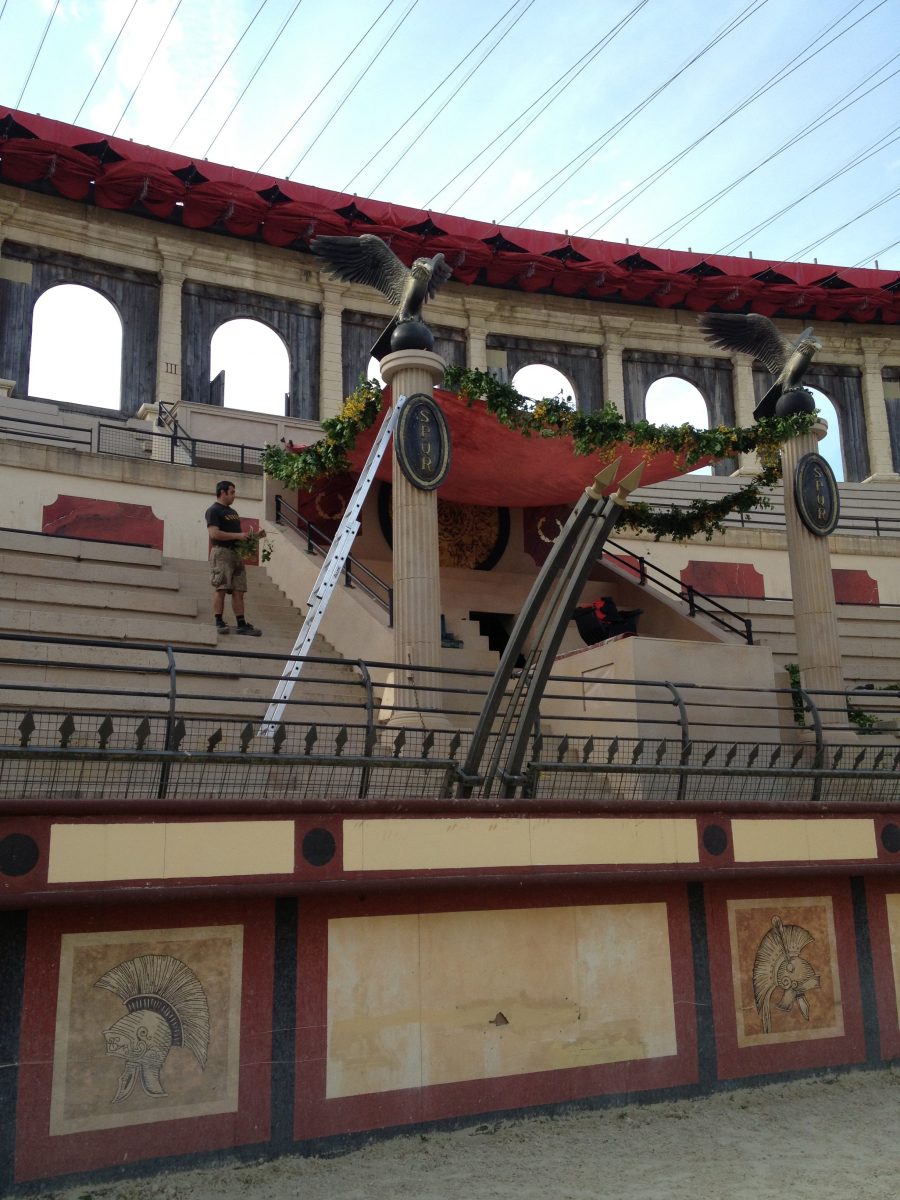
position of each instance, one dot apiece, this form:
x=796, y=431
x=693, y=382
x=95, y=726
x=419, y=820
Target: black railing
x=356, y=573
x=146, y=723
x=697, y=602
x=178, y=449
x=849, y=523
x=46, y=431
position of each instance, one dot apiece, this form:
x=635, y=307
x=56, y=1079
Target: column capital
x=425, y=361
x=333, y=293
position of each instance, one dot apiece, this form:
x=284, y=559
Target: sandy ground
x=832, y=1138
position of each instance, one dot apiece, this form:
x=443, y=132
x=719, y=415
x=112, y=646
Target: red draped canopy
x=493, y=465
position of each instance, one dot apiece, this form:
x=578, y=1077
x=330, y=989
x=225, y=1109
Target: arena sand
x=823, y=1138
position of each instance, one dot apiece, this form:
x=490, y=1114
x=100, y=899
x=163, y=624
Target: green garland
x=597, y=433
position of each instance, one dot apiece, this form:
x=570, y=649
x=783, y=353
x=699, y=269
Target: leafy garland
x=591, y=432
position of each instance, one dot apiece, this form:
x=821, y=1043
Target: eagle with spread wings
x=369, y=260
x=754, y=334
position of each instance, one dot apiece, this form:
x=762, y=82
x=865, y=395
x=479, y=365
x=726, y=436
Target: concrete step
x=114, y=574
x=78, y=548
x=71, y=594
x=74, y=623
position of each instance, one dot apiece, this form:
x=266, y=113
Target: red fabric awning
x=84, y=165
x=491, y=464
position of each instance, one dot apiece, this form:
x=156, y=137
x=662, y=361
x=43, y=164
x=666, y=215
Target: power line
x=876, y=254
x=828, y=114
x=3, y=9
x=454, y=94
x=779, y=76
x=355, y=85
x=607, y=136
x=149, y=64
x=797, y=254
x=337, y=69
x=105, y=61
x=582, y=64
x=433, y=92
x=274, y=42
x=856, y=160
x=37, y=52
x=212, y=82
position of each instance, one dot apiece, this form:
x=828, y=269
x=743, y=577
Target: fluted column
x=881, y=464
x=815, y=617
x=417, y=579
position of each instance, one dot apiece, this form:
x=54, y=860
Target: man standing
x=228, y=573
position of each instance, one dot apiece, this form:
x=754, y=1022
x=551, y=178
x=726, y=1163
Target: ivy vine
x=592, y=433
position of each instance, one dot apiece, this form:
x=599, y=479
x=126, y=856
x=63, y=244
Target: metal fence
x=144, y=723
x=178, y=449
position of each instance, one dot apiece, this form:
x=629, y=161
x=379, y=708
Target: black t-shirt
x=222, y=517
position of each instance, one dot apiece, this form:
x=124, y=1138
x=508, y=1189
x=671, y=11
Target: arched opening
x=830, y=445
x=76, y=348
x=540, y=382
x=373, y=371
x=256, y=364
x=674, y=401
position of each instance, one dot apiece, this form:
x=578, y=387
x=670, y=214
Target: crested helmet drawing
x=779, y=967
x=166, y=1006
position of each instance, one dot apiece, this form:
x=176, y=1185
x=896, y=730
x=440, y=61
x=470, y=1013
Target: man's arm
x=221, y=535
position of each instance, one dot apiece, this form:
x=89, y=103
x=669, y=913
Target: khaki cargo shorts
x=227, y=571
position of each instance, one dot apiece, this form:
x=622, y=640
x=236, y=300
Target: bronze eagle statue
x=754, y=334
x=367, y=259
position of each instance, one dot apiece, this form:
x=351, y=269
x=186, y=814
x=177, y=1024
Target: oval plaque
x=422, y=442
x=816, y=493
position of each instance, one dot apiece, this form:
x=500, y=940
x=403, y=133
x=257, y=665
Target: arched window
x=76, y=348
x=373, y=371
x=540, y=382
x=256, y=365
x=830, y=445
x=674, y=401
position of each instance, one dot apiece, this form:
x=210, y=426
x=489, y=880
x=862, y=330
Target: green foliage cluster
x=595, y=433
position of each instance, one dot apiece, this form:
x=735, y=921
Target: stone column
x=815, y=617
x=476, y=334
x=744, y=404
x=613, y=373
x=168, y=346
x=417, y=579
x=331, y=375
x=878, y=436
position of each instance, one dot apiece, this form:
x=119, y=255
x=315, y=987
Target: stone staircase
x=53, y=587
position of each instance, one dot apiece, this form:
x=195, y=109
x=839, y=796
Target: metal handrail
x=847, y=523
x=356, y=573
x=697, y=601
x=86, y=438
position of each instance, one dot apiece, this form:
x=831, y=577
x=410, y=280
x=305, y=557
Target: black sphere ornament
x=412, y=335
x=797, y=400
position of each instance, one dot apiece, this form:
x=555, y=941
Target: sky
x=632, y=115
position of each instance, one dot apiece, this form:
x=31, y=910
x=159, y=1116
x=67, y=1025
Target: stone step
x=85, y=595
x=79, y=549
x=115, y=574
x=75, y=623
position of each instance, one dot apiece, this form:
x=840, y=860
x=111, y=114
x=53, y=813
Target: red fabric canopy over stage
x=116, y=173
x=493, y=465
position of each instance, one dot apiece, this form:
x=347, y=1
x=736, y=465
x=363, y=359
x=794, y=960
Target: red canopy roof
x=116, y=173
x=491, y=464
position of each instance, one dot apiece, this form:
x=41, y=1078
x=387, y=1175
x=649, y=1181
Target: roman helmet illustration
x=778, y=966
x=166, y=1007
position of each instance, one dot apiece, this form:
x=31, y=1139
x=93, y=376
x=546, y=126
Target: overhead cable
x=355, y=84
x=3, y=9
x=607, y=136
x=149, y=64
x=37, y=52
x=857, y=159
x=875, y=255
x=624, y=201
x=573, y=72
x=446, y=103
x=433, y=92
x=827, y=115
x=336, y=71
x=215, y=77
x=798, y=254
x=105, y=61
x=274, y=42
